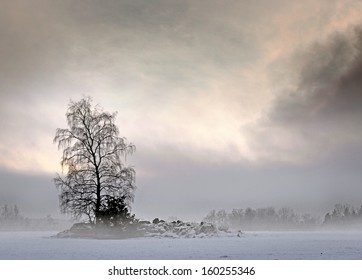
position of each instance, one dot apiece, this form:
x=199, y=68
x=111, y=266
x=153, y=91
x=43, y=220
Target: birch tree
x=93, y=168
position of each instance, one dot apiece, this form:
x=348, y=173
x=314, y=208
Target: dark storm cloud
x=330, y=83
x=321, y=111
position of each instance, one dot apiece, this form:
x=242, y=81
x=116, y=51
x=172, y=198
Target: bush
x=115, y=213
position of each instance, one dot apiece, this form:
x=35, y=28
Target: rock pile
x=158, y=228
x=177, y=229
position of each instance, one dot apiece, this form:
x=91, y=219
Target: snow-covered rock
x=158, y=228
x=179, y=229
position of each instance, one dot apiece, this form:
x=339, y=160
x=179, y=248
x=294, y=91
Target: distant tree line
x=11, y=219
x=344, y=214
x=269, y=218
x=9, y=212
x=261, y=218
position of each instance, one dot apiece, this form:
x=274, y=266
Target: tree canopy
x=93, y=166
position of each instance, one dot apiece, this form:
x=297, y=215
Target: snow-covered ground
x=252, y=245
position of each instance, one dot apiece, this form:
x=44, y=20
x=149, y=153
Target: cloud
x=184, y=75
x=163, y=65
x=320, y=111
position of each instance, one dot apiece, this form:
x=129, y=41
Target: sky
x=230, y=103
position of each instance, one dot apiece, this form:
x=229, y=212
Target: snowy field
x=253, y=245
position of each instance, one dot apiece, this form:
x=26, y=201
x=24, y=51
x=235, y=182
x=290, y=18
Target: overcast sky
x=229, y=103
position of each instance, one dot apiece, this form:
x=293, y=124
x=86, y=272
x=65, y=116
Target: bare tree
x=92, y=160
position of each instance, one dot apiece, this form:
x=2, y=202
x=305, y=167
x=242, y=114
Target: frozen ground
x=253, y=245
